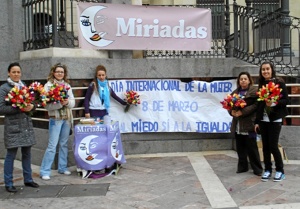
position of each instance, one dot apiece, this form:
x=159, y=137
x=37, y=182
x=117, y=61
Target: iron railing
x=50, y=23
x=220, y=30
x=260, y=35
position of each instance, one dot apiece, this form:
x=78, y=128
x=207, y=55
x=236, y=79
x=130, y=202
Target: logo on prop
x=88, y=29
x=115, y=149
x=85, y=150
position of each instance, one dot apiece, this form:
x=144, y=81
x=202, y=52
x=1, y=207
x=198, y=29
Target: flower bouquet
x=233, y=102
x=58, y=93
x=132, y=98
x=19, y=97
x=269, y=93
x=39, y=94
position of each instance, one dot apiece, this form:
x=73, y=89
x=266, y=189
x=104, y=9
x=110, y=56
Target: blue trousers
x=58, y=134
x=9, y=165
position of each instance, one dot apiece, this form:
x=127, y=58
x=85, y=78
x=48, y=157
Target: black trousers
x=270, y=132
x=247, y=148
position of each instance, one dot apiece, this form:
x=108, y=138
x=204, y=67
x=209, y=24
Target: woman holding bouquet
x=60, y=121
x=243, y=126
x=97, y=97
x=269, y=118
x=18, y=131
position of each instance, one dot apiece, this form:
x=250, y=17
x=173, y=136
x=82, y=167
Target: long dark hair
x=261, y=79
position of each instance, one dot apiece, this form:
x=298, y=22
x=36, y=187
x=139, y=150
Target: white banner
x=169, y=105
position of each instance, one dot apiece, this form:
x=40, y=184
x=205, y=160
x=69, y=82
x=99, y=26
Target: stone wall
x=81, y=67
x=289, y=139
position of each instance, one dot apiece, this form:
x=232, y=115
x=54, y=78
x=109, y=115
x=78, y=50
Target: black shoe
x=31, y=184
x=241, y=171
x=11, y=189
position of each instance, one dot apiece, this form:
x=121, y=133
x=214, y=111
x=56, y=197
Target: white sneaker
x=67, y=172
x=46, y=178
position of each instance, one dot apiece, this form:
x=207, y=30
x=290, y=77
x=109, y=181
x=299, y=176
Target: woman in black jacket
x=18, y=131
x=268, y=121
x=243, y=126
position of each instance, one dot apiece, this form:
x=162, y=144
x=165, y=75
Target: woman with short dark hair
x=243, y=126
x=18, y=131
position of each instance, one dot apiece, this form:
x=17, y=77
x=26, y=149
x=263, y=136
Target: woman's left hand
x=28, y=108
x=238, y=113
x=269, y=104
x=65, y=102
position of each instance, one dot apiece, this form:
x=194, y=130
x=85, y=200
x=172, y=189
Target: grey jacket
x=246, y=121
x=18, y=128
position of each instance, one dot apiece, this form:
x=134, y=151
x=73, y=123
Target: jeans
x=58, y=134
x=9, y=165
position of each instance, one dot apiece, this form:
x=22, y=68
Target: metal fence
x=261, y=35
x=50, y=23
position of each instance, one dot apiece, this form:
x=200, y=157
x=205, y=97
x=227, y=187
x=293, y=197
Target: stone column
x=11, y=29
x=285, y=24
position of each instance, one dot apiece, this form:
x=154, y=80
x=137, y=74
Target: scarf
x=58, y=82
x=243, y=92
x=104, y=93
x=13, y=83
x=64, y=111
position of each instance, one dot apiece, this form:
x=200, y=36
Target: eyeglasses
x=59, y=72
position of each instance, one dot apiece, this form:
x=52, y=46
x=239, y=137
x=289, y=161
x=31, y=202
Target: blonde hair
x=51, y=76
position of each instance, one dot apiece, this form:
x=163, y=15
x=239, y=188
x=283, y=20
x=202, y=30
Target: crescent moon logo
x=84, y=151
x=115, y=152
x=87, y=27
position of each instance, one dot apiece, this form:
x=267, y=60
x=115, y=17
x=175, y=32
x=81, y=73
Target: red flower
x=39, y=94
x=234, y=101
x=58, y=93
x=269, y=93
x=132, y=98
x=19, y=97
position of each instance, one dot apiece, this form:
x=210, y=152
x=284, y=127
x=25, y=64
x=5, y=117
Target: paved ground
x=160, y=181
